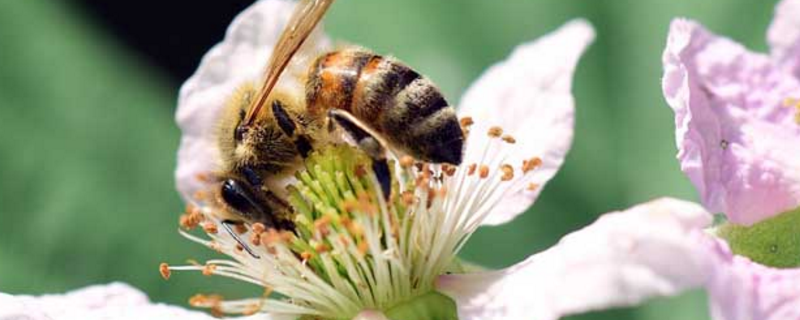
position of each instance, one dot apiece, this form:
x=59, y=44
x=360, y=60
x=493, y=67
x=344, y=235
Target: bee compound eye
x=237, y=196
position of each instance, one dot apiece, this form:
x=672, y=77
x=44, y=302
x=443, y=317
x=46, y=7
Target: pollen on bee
x=163, y=268
x=406, y=162
x=508, y=172
x=209, y=269
x=471, y=169
x=509, y=139
x=495, y=132
x=532, y=163
x=483, y=171
x=210, y=227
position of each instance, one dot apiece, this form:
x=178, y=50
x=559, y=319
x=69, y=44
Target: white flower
x=362, y=257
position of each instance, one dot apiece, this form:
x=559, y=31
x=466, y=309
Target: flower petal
x=529, y=95
x=742, y=290
x=784, y=36
x=240, y=58
x=738, y=139
x=619, y=260
x=115, y=301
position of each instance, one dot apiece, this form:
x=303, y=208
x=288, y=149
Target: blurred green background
x=87, y=138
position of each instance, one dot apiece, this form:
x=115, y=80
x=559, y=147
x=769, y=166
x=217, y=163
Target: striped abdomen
x=396, y=101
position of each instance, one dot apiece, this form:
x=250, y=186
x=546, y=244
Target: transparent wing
x=307, y=14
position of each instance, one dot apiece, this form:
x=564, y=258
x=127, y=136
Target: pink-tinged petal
x=116, y=301
x=619, y=260
x=784, y=36
x=736, y=135
x=370, y=315
x=529, y=95
x=240, y=58
x=740, y=289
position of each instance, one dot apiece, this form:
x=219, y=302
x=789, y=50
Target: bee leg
x=289, y=127
x=227, y=225
x=367, y=142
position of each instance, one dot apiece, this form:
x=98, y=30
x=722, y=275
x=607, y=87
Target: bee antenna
x=227, y=225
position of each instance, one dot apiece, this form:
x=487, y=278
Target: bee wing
x=307, y=14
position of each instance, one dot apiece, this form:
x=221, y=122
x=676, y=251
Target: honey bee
x=377, y=101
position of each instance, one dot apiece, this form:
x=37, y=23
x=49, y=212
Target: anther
x=306, y=256
x=255, y=239
x=471, y=169
x=202, y=177
x=322, y=248
x=483, y=172
x=407, y=198
x=258, y=228
x=209, y=269
x=466, y=122
x=163, y=268
x=240, y=228
x=210, y=227
x=508, y=172
x=532, y=186
x=495, y=132
x=533, y=163
x=509, y=139
x=449, y=170
x=406, y=162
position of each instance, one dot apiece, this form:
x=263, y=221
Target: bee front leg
x=369, y=143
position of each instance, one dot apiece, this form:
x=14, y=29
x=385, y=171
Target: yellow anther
x=533, y=163
x=406, y=162
x=210, y=227
x=471, y=169
x=495, y=132
x=209, y=269
x=508, y=172
x=163, y=268
x=483, y=172
x=466, y=122
x=532, y=186
x=509, y=139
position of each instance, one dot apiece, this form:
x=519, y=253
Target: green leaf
x=773, y=242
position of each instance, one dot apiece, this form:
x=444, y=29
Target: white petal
x=740, y=289
x=530, y=96
x=240, y=58
x=784, y=36
x=619, y=260
x=116, y=301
